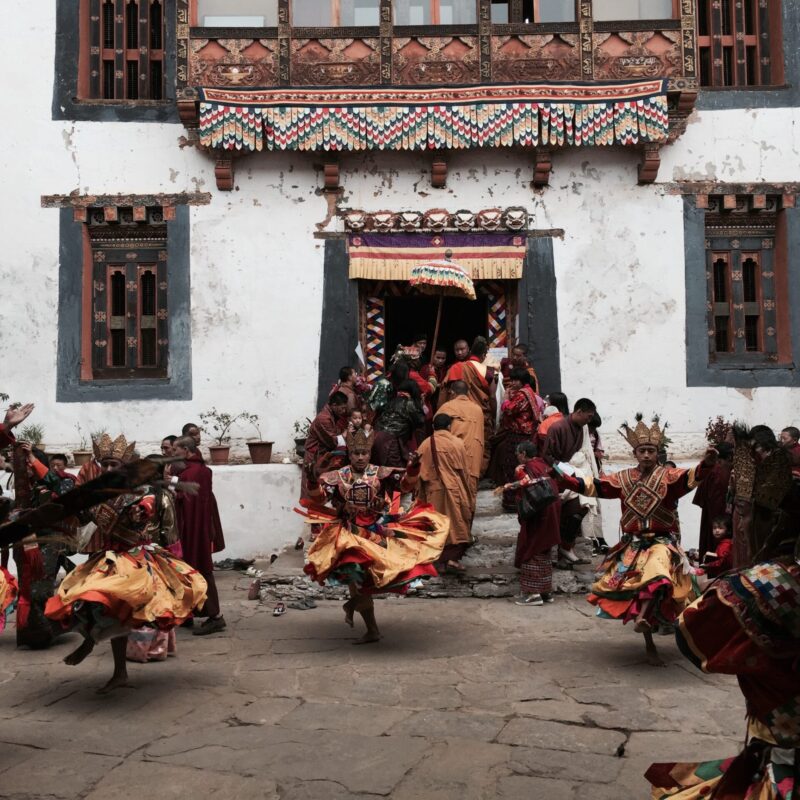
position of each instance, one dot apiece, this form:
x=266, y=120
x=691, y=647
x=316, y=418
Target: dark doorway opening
x=411, y=315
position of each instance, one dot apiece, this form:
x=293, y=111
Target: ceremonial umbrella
x=443, y=278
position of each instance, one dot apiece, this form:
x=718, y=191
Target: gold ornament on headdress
x=358, y=440
x=653, y=435
x=106, y=447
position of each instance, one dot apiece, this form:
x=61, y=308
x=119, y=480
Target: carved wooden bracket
x=651, y=161
x=224, y=171
x=330, y=171
x=543, y=163
x=439, y=172
x=188, y=113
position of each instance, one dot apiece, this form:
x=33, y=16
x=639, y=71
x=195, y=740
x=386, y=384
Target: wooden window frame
x=716, y=43
x=736, y=243
x=435, y=7
x=132, y=249
x=676, y=14
x=95, y=57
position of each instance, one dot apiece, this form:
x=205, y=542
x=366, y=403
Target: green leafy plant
x=84, y=444
x=220, y=424
x=33, y=434
x=301, y=427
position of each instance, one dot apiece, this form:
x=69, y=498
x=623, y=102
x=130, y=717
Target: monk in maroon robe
x=712, y=497
x=325, y=445
x=199, y=527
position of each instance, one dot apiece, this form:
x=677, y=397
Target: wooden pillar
x=485, y=39
x=586, y=22
x=284, y=43
x=182, y=46
x=689, y=40
x=386, y=41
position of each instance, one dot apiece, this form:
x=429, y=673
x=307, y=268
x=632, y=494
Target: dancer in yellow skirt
x=363, y=544
x=646, y=577
x=128, y=582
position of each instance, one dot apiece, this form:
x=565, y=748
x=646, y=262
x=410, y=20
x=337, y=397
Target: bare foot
x=368, y=638
x=79, y=654
x=348, y=612
x=642, y=626
x=116, y=682
x=654, y=659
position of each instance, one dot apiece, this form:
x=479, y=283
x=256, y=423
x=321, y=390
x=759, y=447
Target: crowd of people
x=148, y=543
x=390, y=483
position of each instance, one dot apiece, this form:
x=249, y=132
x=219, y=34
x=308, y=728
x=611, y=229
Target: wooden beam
x=729, y=201
x=224, y=171
x=439, y=172
x=649, y=166
x=330, y=171
x=701, y=201
x=543, y=163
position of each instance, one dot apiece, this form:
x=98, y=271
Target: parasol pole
x=447, y=257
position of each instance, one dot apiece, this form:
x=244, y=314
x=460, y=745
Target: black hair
x=558, y=400
x=523, y=348
x=338, y=399
x=171, y=438
x=596, y=421
x=458, y=387
x=793, y=432
x=521, y=375
x=585, y=404
x=725, y=520
x=187, y=427
x=725, y=450
x=420, y=337
x=669, y=463
x=763, y=436
x=442, y=422
x=480, y=347
x=345, y=373
x=528, y=449
x=399, y=374
x=58, y=455
x=411, y=388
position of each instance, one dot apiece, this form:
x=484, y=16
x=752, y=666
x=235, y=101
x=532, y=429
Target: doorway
x=409, y=316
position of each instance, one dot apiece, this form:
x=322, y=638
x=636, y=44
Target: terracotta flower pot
x=300, y=447
x=219, y=453
x=81, y=457
x=260, y=452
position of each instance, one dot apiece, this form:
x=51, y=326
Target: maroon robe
x=712, y=497
x=563, y=440
x=199, y=526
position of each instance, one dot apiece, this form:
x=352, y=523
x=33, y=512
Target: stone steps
x=489, y=565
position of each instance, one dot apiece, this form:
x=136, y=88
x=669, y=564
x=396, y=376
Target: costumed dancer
x=8, y=595
x=647, y=577
x=748, y=624
x=367, y=542
x=129, y=582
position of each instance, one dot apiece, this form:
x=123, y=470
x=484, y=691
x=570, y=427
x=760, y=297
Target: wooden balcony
x=484, y=54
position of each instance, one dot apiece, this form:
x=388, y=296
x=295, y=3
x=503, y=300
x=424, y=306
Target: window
x=534, y=11
x=237, y=13
x=741, y=280
x=435, y=12
x=733, y=38
x=129, y=294
x=335, y=13
x=126, y=50
x=614, y=10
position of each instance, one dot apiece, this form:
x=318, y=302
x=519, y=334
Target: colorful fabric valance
x=392, y=256
x=451, y=117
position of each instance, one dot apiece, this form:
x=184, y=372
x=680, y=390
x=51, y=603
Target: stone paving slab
x=462, y=700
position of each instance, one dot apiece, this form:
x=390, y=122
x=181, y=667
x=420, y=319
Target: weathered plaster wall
x=257, y=270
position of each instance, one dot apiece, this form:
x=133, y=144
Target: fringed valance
x=391, y=257
x=452, y=117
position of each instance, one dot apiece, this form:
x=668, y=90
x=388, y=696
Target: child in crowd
x=722, y=559
x=356, y=422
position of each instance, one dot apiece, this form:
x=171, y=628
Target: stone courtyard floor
x=462, y=699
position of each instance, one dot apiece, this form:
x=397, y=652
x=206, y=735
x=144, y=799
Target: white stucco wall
x=256, y=270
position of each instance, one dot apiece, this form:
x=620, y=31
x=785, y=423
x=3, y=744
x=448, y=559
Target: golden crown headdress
x=358, y=440
x=119, y=448
x=654, y=435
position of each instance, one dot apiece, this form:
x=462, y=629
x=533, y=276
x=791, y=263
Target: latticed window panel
x=130, y=316
x=736, y=42
x=126, y=49
x=741, y=292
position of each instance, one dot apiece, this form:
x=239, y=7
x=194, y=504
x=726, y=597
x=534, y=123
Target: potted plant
x=33, y=434
x=260, y=451
x=219, y=424
x=301, y=427
x=82, y=455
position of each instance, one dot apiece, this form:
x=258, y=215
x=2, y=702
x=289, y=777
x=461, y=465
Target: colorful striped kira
x=431, y=119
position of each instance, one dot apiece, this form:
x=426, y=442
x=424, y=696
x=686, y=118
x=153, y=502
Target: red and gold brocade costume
x=131, y=582
x=647, y=564
x=8, y=595
x=362, y=542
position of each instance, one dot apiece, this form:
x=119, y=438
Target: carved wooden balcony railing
x=482, y=54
